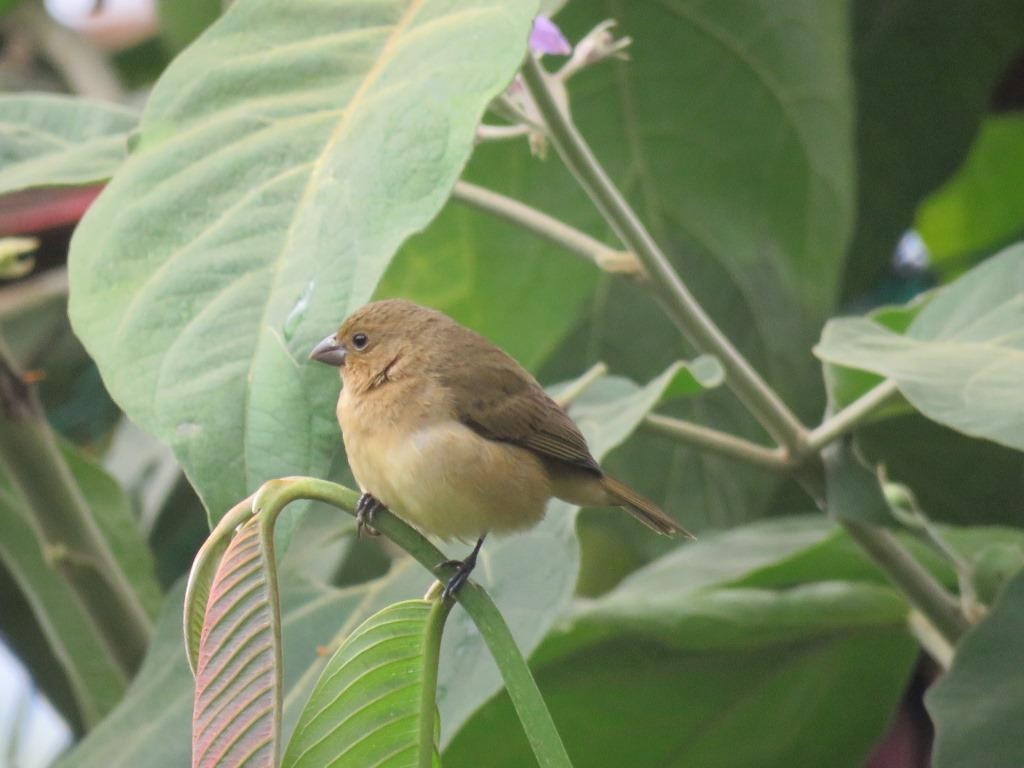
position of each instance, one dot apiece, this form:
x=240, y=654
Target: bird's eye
x=359, y=341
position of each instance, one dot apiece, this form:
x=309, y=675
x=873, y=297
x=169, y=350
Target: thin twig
x=684, y=310
x=576, y=388
x=84, y=69
x=548, y=227
x=851, y=416
x=775, y=459
x=33, y=291
x=920, y=587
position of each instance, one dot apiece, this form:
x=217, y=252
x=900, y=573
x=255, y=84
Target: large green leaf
x=367, y=708
x=112, y=513
x=962, y=358
x=93, y=676
x=979, y=704
x=914, y=126
x=334, y=131
x=48, y=140
x=693, y=662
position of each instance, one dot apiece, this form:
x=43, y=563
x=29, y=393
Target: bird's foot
x=366, y=508
x=462, y=570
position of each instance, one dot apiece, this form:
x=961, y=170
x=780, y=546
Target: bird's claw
x=367, y=506
x=462, y=570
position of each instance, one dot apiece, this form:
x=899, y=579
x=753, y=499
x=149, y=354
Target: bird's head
x=375, y=339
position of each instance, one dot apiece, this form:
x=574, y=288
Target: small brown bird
x=453, y=435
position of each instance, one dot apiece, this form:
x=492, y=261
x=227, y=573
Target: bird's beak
x=329, y=351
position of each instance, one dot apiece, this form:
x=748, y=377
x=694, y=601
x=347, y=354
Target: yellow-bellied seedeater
x=453, y=435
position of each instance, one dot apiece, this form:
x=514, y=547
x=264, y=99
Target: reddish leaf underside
x=236, y=710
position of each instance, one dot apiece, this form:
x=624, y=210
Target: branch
x=33, y=291
x=919, y=586
x=548, y=227
x=852, y=415
x=684, y=310
x=775, y=459
x=64, y=524
x=84, y=69
x=274, y=495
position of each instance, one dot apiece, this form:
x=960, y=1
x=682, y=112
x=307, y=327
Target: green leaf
x=982, y=206
x=95, y=679
x=368, y=706
x=521, y=292
x=182, y=21
x=684, y=665
x=913, y=127
x=977, y=706
x=200, y=309
x=961, y=358
x=49, y=140
x=744, y=177
x=112, y=512
x=852, y=490
x=237, y=714
x=956, y=478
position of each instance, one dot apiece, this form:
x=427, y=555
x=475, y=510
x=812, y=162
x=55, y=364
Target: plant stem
x=84, y=69
x=684, y=310
x=849, y=417
x=577, y=387
x=540, y=729
x=548, y=227
x=64, y=524
x=775, y=459
x=428, y=694
x=33, y=291
x=920, y=587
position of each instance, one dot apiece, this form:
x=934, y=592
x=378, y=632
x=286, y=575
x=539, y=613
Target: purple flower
x=546, y=37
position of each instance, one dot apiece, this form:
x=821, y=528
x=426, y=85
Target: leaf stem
x=684, y=310
x=849, y=417
x=775, y=459
x=428, y=694
x=922, y=590
x=540, y=729
x=84, y=69
x=65, y=527
x=548, y=227
x=577, y=387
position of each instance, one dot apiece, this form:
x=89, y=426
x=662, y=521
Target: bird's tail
x=642, y=509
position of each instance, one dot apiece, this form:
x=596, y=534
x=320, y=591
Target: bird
x=454, y=436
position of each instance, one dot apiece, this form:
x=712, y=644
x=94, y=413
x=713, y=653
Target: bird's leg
x=366, y=508
x=462, y=570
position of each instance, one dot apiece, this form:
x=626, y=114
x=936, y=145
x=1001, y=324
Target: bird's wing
x=498, y=399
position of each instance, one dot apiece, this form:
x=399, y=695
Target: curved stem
x=684, y=310
x=843, y=421
x=920, y=587
x=775, y=459
x=540, y=729
x=558, y=232
x=428, y=694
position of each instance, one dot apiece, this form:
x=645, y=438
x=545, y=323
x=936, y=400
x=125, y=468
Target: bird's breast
x=439, y=475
